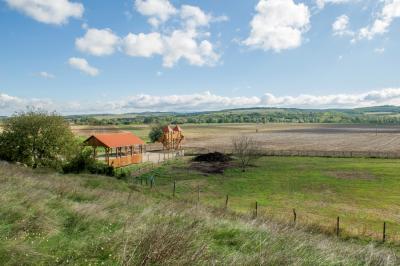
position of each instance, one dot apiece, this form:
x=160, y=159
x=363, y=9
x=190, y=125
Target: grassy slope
x=47, y=218
x=363, y=192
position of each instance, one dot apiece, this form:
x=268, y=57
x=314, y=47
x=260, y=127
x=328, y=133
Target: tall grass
x=49, y=219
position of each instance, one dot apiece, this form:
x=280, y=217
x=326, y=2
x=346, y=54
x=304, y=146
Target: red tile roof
x=117, y=139
x=167, y=129
x=177, y=128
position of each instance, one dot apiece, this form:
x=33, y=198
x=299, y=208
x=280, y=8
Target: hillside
x=367, y=115
x=49, y=219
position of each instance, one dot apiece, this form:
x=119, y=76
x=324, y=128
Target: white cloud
x=83, y=65
x=390, y=11
x=46, y=75
x=48, y=11
x=278, y=25
x=159, y=11
x=98, y=42
x=379, y=50
x=205, y=101
x=321, y=3
x=184, y=45
x=187, y=41
x=179, y=45
x=10, y=104
x=341, y=26
x=144, y=45
x=194, y=17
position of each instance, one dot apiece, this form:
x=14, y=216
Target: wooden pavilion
x=120, y=149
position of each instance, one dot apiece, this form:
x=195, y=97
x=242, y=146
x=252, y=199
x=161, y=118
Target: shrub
x=156, y=132
x=37, y=139
x=100, y=168
x=80, y=162
x=84, y=162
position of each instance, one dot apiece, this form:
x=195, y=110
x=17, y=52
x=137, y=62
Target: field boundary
x=189, y=151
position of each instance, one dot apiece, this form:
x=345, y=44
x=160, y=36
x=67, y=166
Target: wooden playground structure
x=119, y=149
x=172, y=138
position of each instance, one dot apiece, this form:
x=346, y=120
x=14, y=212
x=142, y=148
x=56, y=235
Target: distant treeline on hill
x=372, y=115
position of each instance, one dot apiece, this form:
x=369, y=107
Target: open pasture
x=362, y=192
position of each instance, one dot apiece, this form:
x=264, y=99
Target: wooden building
x=119, y=149
x=172, y=138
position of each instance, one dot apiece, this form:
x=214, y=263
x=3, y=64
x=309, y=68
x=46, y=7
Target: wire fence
x=190, y=151
x=341, y=225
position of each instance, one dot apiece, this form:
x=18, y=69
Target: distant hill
x=366, y=115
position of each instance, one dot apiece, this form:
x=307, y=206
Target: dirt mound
x=212, y=157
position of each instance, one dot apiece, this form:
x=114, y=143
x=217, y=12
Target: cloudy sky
x=77, y=56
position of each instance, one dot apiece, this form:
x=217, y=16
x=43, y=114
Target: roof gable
x=115, y=140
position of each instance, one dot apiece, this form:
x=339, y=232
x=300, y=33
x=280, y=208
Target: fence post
x=173, y=193
x=294, y=216
x=226, y=202
x=198, y=194
x=384, y=232
x=256, y=209
x=337, y=226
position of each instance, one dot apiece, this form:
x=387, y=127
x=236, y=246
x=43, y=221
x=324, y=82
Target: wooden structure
x=172, y=138
x=120, y=149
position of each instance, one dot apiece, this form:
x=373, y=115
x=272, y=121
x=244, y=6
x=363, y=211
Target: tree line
x=285, y=116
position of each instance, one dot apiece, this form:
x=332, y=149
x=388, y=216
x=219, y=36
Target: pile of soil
x=211, y=163
x=213, y=157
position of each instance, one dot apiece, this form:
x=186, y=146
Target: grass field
x=363, y=192
x=53, y=219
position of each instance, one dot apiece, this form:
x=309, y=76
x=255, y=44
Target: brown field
x=303, y=137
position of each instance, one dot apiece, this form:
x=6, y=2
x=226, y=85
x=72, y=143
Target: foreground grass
x=49, y=219
x=363, y=192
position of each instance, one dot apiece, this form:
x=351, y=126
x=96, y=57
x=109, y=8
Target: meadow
x=54, y=219
x=362, y=191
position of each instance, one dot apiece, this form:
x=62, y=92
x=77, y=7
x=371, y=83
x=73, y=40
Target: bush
x=37, y=139
x=99, y=168
x=80, y=162
x=84, y=162
x=156, y=132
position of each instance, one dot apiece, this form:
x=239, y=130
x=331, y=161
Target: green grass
x=363, y=192
x=53, y=219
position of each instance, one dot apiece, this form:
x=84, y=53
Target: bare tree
x=246, y=150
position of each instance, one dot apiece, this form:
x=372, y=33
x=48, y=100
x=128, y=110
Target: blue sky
x=120, y=56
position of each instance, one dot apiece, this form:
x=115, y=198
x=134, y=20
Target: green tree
x=156, y=132
x=37, y=139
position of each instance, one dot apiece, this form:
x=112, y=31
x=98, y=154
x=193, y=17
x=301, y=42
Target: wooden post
x=294, y=216
x=256, y=213
x=384, y=232
x=337, y=226
x=198, y=194
x=226, y=202
x=173, y=193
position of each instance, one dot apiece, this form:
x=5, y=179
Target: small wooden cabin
x=120, y=149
